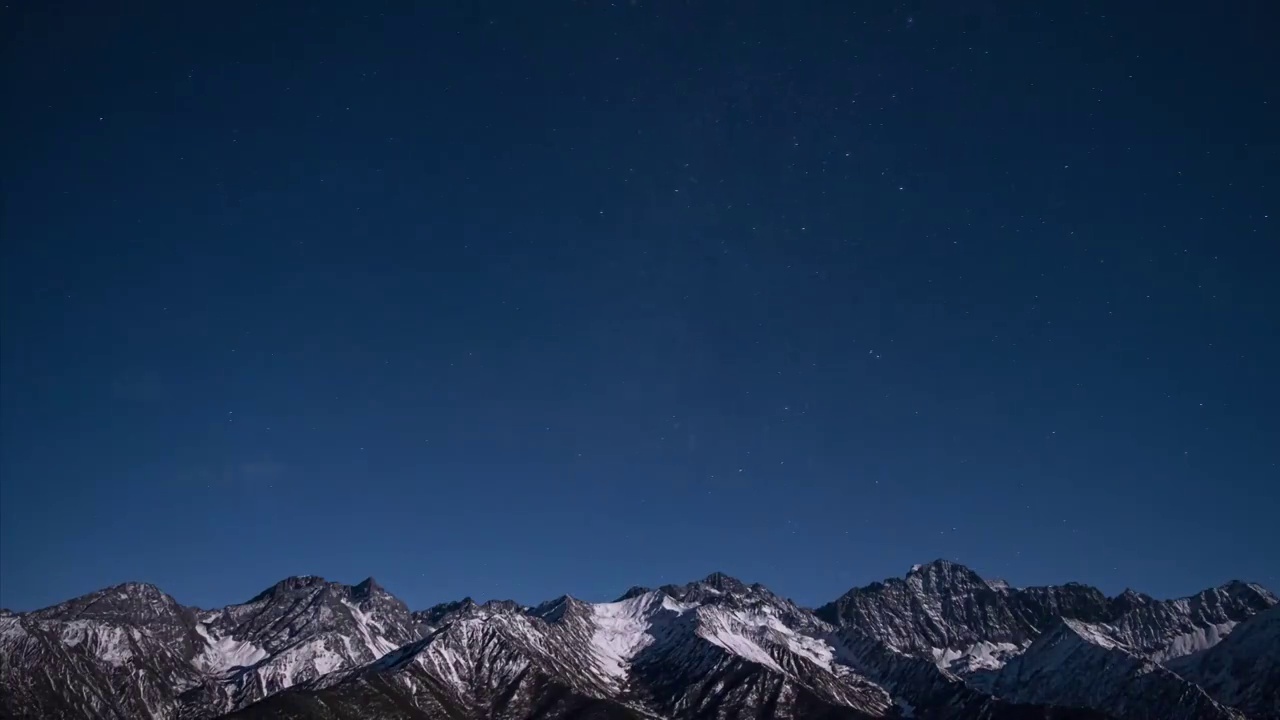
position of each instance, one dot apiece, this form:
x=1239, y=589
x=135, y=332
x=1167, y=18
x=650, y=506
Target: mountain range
x=939, y=643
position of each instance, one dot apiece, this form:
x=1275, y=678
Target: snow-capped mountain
x=999, y=638
x=967, y=624
x=940, y=643
x=715, y=646
x=943, y=611
x=122, y=652
x=295, y=631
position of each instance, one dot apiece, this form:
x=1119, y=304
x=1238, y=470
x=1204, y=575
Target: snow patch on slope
x=375, y=642
x=718, y=628
x=814, y=650
x=302, y=662
x=222, y=654
x=1199, y=639
x=979, y=656
x=1094, y=633
x=621, y=630
x=739, y=645
x=624, y=628
x=111, y=644
x=11, y=630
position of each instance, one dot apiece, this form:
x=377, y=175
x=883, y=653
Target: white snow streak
x=225, y=653
x=717, y=627
x=1194, y=641
x=621, y=630
x=375, y=642
x=111, y=644
x=979, y=656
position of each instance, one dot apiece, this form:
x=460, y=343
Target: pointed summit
x=723, y=582
x=713, y=587
x=936, y=566
x=944, y=576
x=367, y=588
x=1255, y=595
x=137, y=588
x=560, y=608
x=1128, y=601
x=633, y=592
x=503, y=606
x=444, y=612
x=127, y=602
x=290, y=585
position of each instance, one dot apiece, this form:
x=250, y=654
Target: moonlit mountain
x=941, y=642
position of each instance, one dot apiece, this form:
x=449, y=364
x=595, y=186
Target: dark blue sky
x=529, y=298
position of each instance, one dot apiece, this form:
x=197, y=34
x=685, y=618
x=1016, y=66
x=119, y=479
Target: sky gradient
x=519, y=299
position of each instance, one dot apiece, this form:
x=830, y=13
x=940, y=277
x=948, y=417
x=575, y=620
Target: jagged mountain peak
x=502, y=606
x=935, y=565
x=713, y=587
x=466, y=602
x=141, y=590
x=441, y=613
x=368, y=586
x=1129, y=601
x=1243, y=591
x=560, y=608
x=943, y=574
x=365, y=594
x=633, y=592
x=450, y=606
x=1132, y=595
x=721, y=579
x=144, y=589
x=290, y=584
x=1070, y=586
x=721, y=582
x=130, y=602
x=369, y=595
x=1000, y=585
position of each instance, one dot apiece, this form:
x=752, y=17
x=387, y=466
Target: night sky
x=519, y=299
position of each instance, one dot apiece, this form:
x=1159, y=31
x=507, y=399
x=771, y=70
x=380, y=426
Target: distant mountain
x=940, y=643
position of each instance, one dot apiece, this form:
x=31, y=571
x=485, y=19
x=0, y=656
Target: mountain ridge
x=604, y=596
x=940, y=641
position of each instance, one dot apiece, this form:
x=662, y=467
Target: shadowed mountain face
x=1244, y=669
x=941, y=642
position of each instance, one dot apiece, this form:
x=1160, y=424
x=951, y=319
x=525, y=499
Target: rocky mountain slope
x=941, y=643
x=1078, y=664
x=1243, y=670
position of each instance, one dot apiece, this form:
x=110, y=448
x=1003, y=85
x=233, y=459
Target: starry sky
x=517, y=299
